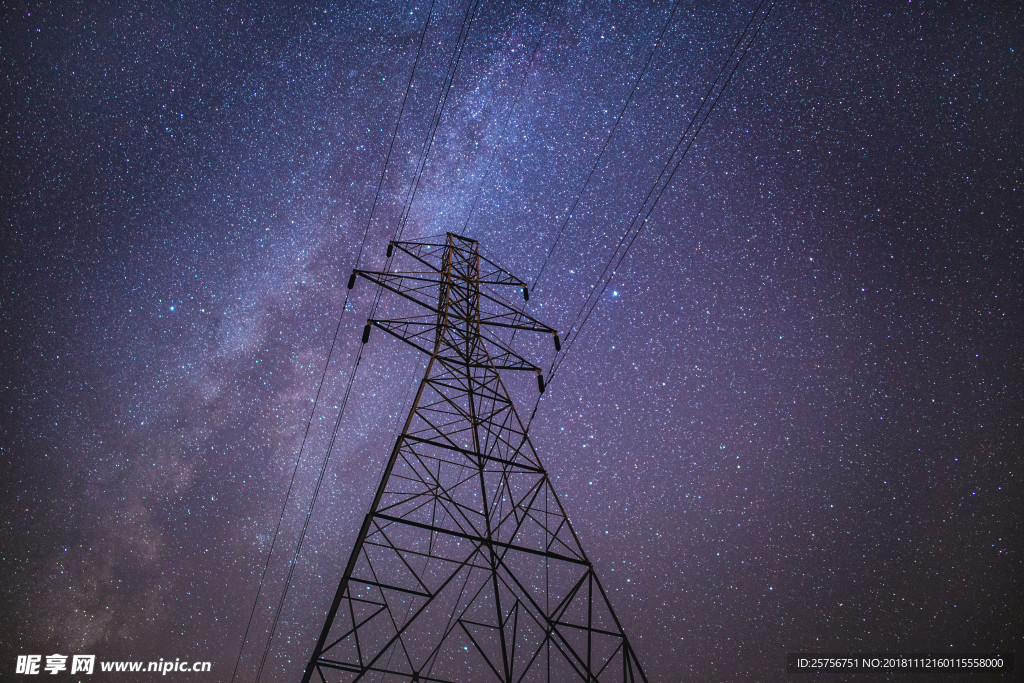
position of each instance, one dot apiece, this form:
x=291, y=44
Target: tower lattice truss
x=466, y=567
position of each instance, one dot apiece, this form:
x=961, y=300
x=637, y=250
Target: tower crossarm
x=421, y=289
x=494, y=274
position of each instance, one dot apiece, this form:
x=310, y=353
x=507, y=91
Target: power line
x=656, y=191
x=309, y=511
x=438, y=111
x=394, y=134
x=508, y=115
x=334, y=340
x=636, y=225
x=600, y=155
x=442, y=101
x=288, y=494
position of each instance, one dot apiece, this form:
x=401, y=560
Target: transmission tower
x=466, y=567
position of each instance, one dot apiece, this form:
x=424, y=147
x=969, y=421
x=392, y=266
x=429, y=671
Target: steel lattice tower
x=466, y=567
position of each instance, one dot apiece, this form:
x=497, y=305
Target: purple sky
x=792, y=423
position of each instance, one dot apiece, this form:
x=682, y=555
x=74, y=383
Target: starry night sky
x=793, y=422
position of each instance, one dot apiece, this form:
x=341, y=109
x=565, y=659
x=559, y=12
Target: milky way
x=792, y=423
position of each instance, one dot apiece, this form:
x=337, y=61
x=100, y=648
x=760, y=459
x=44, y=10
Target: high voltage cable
x=438, y=111
x=600, y=155
x=330, y=354
x=446, y=88
x=442, y=101
x=595, y=291
x=508, y=115
x=309, y=510
x=394, y=134
x=291, y=483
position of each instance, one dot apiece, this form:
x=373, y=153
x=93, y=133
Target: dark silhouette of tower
x=466, y=567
